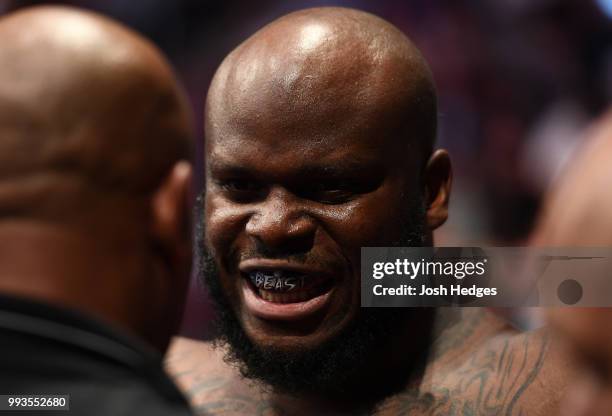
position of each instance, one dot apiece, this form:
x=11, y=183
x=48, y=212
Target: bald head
x=95, y=143
x=327, y=71
x=84, y=97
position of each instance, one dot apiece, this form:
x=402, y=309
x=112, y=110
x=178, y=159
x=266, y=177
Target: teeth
x=277, y=281
x=280, y=286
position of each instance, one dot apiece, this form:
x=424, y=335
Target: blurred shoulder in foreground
x=578, y=213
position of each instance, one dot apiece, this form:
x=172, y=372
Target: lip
x=264, y=309
x=248, y=266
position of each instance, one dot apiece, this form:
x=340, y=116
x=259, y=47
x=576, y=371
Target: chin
x=292, y=336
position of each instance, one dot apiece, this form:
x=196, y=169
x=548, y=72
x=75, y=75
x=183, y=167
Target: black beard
x=338, y=369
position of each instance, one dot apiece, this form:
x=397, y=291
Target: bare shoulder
x=187, y=356
x=212, y=386
x=509, y=374
x=481, y=368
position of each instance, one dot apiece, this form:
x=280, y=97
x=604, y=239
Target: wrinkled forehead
x=286, y=140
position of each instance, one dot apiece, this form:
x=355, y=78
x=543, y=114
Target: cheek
x=223, y=224
x=371, y=220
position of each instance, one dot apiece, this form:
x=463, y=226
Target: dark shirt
x=49, y=350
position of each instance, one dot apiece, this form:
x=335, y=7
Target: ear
x=171, y=217
x=438, y=177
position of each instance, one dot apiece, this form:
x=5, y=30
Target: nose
x=281, y=224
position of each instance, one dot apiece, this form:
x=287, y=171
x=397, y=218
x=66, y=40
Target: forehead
x=300, y=134
x=335, y=97
x=262, y=118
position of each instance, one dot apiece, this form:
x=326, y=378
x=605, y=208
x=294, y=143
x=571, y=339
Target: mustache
x=301, y=259
x=261, y=251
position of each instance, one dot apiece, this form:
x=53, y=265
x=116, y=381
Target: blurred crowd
x=518, y=80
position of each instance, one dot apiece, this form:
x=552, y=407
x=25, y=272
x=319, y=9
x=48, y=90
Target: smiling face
x=286, y=217
x=319, y=131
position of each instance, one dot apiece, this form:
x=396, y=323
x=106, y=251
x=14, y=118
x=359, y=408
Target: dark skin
x=577, y=213
x=317, y=135
x=310, y=172
x=94, y=171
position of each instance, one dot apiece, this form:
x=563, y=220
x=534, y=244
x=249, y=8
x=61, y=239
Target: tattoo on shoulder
x=491, y=382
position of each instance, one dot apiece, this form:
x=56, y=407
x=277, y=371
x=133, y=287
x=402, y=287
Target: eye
x=330, y=191
x=241, y=190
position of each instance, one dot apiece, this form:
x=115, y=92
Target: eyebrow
x=339, y=169
x=229, y=169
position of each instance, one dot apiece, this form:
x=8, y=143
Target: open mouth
x=281, y=293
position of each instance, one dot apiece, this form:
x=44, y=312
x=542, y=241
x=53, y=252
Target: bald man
x=320, y=136
x=578, y=213
x=95, y=143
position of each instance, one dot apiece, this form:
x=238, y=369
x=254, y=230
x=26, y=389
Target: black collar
x=85, y=333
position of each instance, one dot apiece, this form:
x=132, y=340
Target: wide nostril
x=279, y=230
x=278, y=224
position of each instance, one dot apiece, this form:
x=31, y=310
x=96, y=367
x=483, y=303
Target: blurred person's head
x=95, y=143
x=578, y=212
x=320, y=133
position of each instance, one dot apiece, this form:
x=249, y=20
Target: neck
x=55, y=264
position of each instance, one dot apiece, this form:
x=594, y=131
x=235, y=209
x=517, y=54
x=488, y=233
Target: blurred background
x=518, y=82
